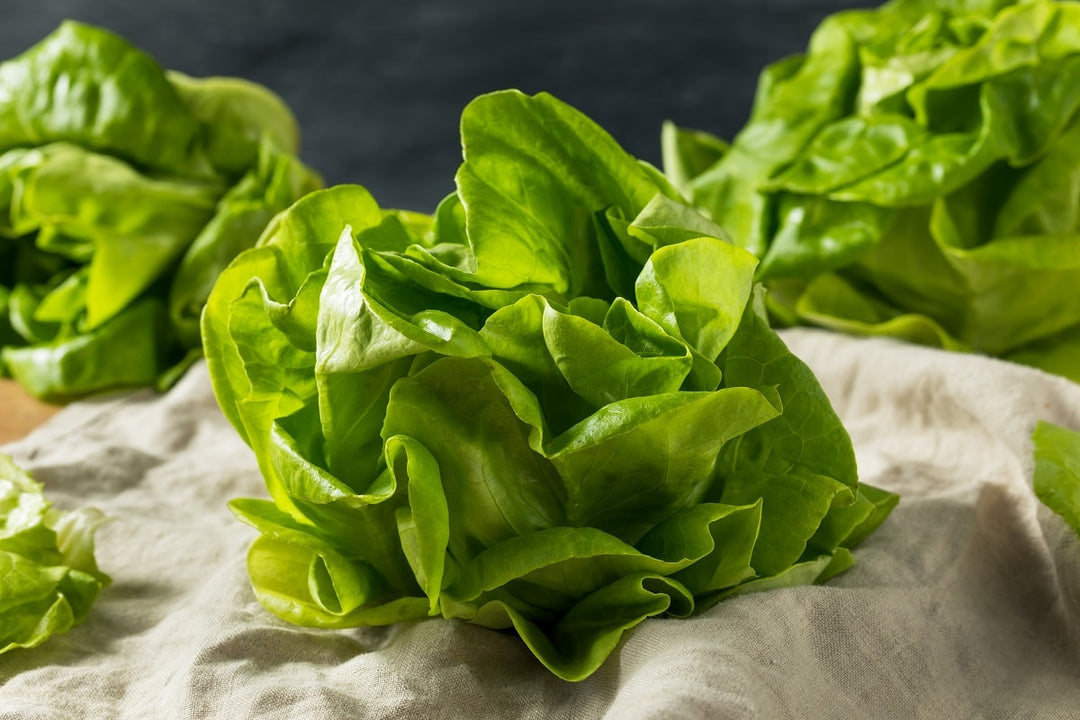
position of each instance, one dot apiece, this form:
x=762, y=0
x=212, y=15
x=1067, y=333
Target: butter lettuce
x=554, y=406
x=48, y=576
x=913, y=175
x=125, y=190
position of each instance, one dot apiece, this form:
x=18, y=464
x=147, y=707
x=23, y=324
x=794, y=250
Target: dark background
x=378, y=86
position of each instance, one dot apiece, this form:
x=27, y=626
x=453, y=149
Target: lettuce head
x=125, y=190
x=555, y=406
x=914, y=175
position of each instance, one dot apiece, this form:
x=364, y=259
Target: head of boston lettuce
x=125, y=189
x=553, y=406
x=914, y=174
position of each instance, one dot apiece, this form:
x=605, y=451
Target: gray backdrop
x=378, y=86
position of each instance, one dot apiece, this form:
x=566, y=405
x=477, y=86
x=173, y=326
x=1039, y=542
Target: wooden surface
x=20, y=412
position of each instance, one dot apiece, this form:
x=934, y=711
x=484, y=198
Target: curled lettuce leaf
x=913, y=175
x=124, y=191
x=48, y=576
x=555, y=406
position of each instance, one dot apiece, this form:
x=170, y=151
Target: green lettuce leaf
x=555, y=407
x=913, y=175
x=1057, y=471
x=125, y=190
x=48, y=575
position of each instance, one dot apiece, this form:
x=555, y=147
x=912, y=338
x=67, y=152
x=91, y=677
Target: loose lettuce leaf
x=125, y=190
x=555, y=407
x=48, y=575
x=1057, y=471
x=913, y=175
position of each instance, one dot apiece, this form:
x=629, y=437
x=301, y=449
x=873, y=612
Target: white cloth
x=965, y=604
